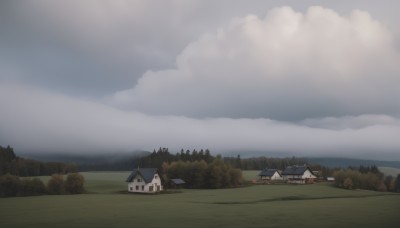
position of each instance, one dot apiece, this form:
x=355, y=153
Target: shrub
x=348, y=183
x=74, y=183
x=354, y=179
x=9, y=185
x=32, y=187
x=55, y=185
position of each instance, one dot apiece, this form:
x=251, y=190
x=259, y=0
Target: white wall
x=308, y=174
x=142, y=187
x=276, y=176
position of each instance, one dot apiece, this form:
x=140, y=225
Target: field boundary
x=298, y=198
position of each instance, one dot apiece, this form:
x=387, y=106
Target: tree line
x=12, y=164
x=157, y=158
x=200, y=174
x=11, y=185
x=259, y=163
x=366, y=177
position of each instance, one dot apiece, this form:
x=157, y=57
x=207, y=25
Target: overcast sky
x=302, y=78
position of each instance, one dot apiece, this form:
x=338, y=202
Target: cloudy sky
x=302, y=78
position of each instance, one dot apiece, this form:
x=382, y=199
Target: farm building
x=298, y=175
x=145, y=180
x=269, y=175
x=330, y=179
x=177, y=183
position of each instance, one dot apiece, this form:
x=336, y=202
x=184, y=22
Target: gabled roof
x=295, y=170
x=178, y=181
x=146, y=173
x=268, y=172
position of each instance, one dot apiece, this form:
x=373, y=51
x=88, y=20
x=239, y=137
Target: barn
x=269, y=175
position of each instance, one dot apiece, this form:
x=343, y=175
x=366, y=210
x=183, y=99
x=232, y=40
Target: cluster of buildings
x=149, y=180
x=291, y=175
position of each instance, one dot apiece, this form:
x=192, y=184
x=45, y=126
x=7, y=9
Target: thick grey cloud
x=95, y=48
x=57, y=123
x=287, y=65
x=229, y=76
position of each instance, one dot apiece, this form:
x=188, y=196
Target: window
x=130, y=189
x=142, y=187
x=137, y=188
x=139, y=180
x=155, y=176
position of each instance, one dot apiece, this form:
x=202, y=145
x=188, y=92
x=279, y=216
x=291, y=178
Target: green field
x=318, y=205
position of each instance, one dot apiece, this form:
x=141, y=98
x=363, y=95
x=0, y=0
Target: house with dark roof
x=298, y=175
x=145, y=180
x=269, y=175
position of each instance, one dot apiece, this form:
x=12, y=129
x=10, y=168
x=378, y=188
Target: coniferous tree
x=397, y=183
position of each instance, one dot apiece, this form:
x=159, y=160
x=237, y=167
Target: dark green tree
x=238, y=162
x=55, y=185
x=397, y=184
x=32, y=187
x=74, y=184
x=9, y=185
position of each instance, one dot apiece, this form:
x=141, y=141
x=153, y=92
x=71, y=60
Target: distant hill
x=346, y=162
x=95, y=162
x=127, y=161
x=22, y=166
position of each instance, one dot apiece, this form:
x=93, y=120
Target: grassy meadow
x=318, y=205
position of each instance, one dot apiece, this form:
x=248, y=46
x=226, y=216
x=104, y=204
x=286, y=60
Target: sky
x=281, y=78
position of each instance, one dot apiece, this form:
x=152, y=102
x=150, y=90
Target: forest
x=11, y=185
x=199, y=174
x=366, y=177
x=12, y=164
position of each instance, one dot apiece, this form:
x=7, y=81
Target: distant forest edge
x=346, y=162
x=125, y=162
x=46, y=164
x=12, y=164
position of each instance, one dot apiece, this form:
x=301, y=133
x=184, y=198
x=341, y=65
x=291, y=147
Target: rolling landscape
x=253, y=206
x=106, y=202
x=200, y=113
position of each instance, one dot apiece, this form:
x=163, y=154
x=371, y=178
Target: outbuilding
x=269, y=175
x=177, y=183
x=330, y=179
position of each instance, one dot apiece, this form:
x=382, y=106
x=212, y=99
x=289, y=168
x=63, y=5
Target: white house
x=269, y=175
x=145, y=180
x=298, y=175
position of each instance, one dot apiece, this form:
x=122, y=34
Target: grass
x=318, y=205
